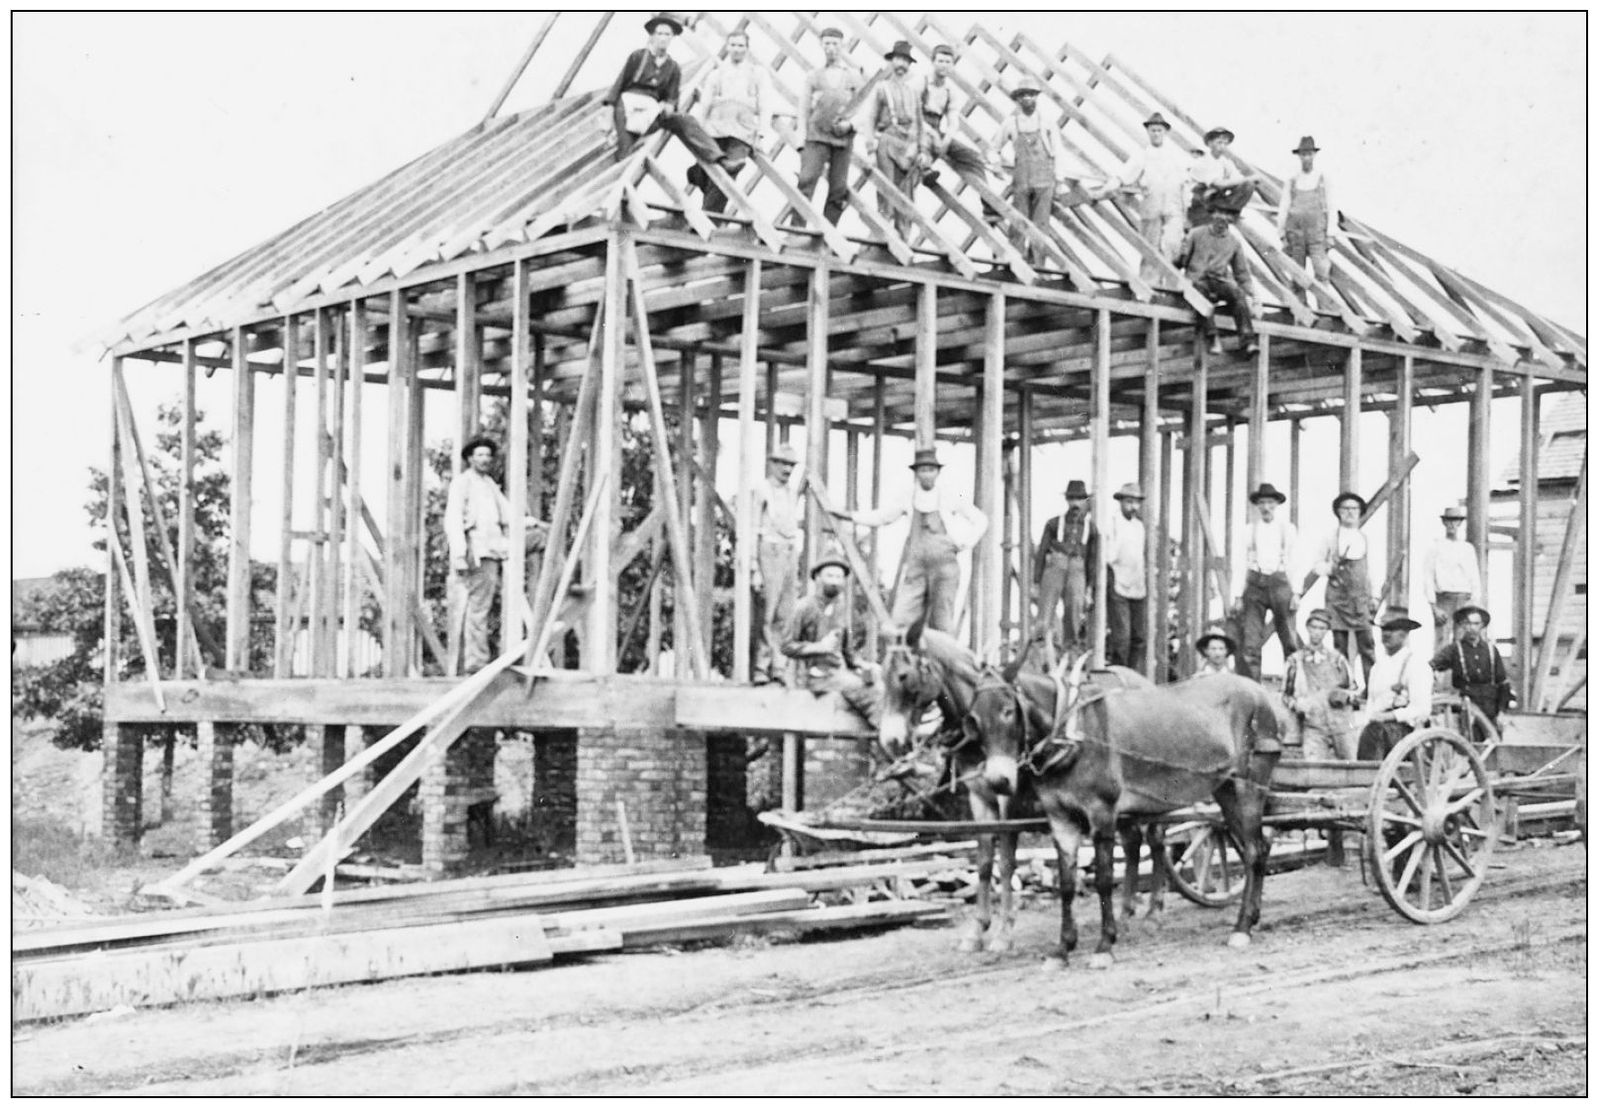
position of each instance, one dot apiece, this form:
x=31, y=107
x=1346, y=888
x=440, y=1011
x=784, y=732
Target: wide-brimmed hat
x=1129, y=491
x=1266, y=492
x=669, y=18
x=783, y=452
x=1305, y=146
x=901, y=50
x=1216, y=132
x=1397, y=617
x=1456, y=512
x=832, y=557
x=1024, y=87
x=478, y=441
x=925, y=456
x=1321, y=615
x=1465, y=610
x=1215, y=634
x=1156, y=120
x=1075, y=488
x=1348, y=495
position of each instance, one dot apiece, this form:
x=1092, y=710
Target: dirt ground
x=1337, y=995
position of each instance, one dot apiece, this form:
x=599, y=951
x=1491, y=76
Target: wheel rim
x=1432, y=825
x=1204, y=863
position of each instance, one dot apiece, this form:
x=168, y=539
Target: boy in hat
x=1218, y=184
x=891, y=121
x=820, y=639
x=1212, y=257
x=1126, y=555
x=737, y=100
x=1473, y=664
x=477, y=529
x=1452, y=574
x=939, y=112
x=1069, y=546
x=1399, y=692
x=1035, y=146
x=825, y=128
x=1319, y=689
x=645, y=93
x=776, y=515
x=1215, y=649
x=1344, y=562
x=942, y=524
x=1266, y=590
x=1303, y=218
x=1160, y=176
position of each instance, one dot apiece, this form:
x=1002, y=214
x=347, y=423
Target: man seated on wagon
x=1320, y=690
x=1474, y=666
x=823, y=644
x=1216, y=648
x=1399, y=689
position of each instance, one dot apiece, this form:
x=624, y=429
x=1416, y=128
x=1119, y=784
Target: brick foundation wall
x=122, y=783
x=213, y=809
x=554, y=785
x=661, y=776
x=449, y=786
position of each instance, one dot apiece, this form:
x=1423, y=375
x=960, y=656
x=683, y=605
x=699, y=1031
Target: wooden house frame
x=521, y=260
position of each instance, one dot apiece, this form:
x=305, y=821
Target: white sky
x=148, y=148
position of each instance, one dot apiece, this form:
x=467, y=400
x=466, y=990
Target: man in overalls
x=942, y=524
x=738, y=101
x=938, y=115
x=1067, y=551
x=1031, y=188
x=1304, y=214
x=1344, y=562
x=891, y=122
x=776, y=515
x=1160, y=175
x=645, y=94
x=1319, y=689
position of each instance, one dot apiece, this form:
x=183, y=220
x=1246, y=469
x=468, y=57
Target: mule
x=1134, y=753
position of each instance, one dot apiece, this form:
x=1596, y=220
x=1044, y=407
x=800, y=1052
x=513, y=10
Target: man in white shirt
x=776, y=514
x=737, y=101
x=1218, y=184
x=1452, y=574
x=1126, y=555
x=939, y=113
x=1303, y=218
x=1160, y=175
x=942, y=524
x=1267, y=591
x=1399, y=691
x=477, y=526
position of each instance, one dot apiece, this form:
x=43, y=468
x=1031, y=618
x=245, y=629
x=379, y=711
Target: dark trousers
x=1365, y=639
x=1209, y=199
x=737, y=155
x=1380, y=737
x=1126, y=642
x=1225, y=291
x=1265, y=595
x=683, y=126
x=817, y=158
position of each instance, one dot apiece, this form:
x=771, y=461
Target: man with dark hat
x=826, y=125
x=738, y=102
x=1213, y=259
x=776, y=515
x=1399, y=692
x=1452, y=575
x=1125, y=555
x=1068, y=548
x=1160, y=176
x=1319, y=689
x=1344, y=562
x=645, y=93
x=1032, y=167
x=823, y=644
x=1215, y=649
x=477, y=528
x=1218, y=184
x=1473, y=664
x=891, y=122
x=939, y=115
x=1265, y=591
x=942, y=524
x=1304, y=215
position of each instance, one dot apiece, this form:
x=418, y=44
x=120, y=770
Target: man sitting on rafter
x=645, y=94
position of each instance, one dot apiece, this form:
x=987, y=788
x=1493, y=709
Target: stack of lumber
x=383, y=932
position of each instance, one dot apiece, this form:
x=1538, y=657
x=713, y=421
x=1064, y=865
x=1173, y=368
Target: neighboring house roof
x=1561, y=448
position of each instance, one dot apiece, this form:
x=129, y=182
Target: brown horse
x=1130, y=754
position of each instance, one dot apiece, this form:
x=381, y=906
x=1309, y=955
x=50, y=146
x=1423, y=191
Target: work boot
x=1214, y=345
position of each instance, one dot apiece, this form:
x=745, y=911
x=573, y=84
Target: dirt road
x=1337, y=995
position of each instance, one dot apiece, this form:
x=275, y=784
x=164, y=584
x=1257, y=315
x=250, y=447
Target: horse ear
x=972, y=730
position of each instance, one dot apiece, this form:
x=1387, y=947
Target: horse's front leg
x=1103, y=866
x=1131, y=844
x=976, y=929
x=1001, y=938
x=1161, y=877
x=1067, y=841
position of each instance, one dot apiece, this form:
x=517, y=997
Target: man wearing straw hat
x=1344, y=562
x=1452, y=575
x=1215, y=650
x=1160, y=174
x=776, y=515
x=891, y=122
x=1303, y=218
x=942, y=524
x=1125, y=553
x=1266, y=591
x=1399, y=689
x=823, y=644
x=1036, y=147
x=645, y=93
x=1473, y=664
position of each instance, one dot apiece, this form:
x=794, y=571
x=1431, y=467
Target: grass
x=48, y=847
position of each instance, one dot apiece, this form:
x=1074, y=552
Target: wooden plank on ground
x=823, y=917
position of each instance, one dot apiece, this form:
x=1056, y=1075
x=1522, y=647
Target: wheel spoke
x=1441, y=874
x=1200, y=852
x=1408, y=841
x=1425, y=879
x=1469, y=868
x=1467, y=801
x=1409, y=868
x=1400, y=819
x=1404, y=793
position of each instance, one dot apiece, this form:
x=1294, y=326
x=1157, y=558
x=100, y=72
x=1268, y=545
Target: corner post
x=238, y=562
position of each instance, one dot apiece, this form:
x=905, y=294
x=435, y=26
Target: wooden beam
x=321, y=468
x=1296, y=478
x=1152, y=479
x=1538, y=697
x=1479, y=483
x=819, y=326
x=581, y=56
x=238, y=560
x=599, y=640
x=396, y=645
x=413, y=538
x=521, y=67
x=111, y=627
x=926, y=366
x=1192, y=546
x=749, y=469
x=1027, y=448
x=143, y=623
x=687, y=423
x=1525, y=543
x=857, y=565
x=283, y=660
x=1100, y=481
x=183, y=586
x=349, y=485
x=1258, y=415
x=704, y=533
x=988, y=568
x=1398, y=536
x=1158, y=601
x=513, y=591
x=1352, y=397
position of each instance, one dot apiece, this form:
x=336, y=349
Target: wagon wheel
x=1432, y=825
x=1465, y=718
x=1204, y=863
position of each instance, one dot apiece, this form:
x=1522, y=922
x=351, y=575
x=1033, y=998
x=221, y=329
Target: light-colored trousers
x=471, y=599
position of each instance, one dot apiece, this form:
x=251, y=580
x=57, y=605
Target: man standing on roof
x=1125, y=552
x=1212, y=258
x=939, y=117
x=477, y=527
x=737, y=111
x=826, y=126
x=1473, y=664
x=1399, y=689
x=891, y=121
x=942, y=524
x=776, y=515
x=1160, y=174
x=1267, y=589
x=1035, y=146
x=823, y=644
x=645, y=95
x=1218, y=184
x=1344, y=563
x=1452, y=573
x=1304, y=215
x=1062, y=569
